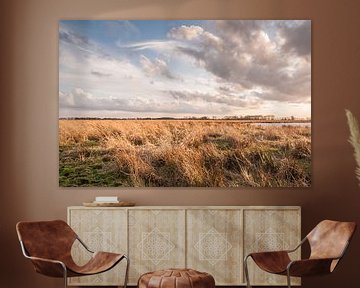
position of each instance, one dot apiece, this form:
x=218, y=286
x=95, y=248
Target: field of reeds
x=209, y=153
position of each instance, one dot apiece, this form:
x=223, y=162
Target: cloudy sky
x=184, y=68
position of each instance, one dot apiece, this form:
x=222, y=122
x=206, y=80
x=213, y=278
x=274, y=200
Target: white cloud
x=195, y=33
x=185, y=32
x=78, y=98
x=242, y=52
x=81, y=100
x=95, y=73
x=230, y=67
x=157, y=67
x=163, y=46
x=233, y=101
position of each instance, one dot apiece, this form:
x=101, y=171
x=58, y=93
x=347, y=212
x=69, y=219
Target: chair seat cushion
x=176, y=278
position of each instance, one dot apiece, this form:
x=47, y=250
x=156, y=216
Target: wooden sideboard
x=212, y=239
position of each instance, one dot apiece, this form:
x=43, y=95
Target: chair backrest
x=46, y=239
x=329, y=239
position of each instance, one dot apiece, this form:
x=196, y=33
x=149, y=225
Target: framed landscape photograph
x=185, y=103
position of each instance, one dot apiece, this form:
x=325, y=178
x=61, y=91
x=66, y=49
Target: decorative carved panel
x=270, y=230
x=156, y=240
x=214, y=241
x=101, y=230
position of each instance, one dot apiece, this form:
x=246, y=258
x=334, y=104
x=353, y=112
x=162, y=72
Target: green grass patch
x=84, y=167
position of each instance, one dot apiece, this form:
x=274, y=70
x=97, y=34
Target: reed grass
x=354, y=140
x=173, y=153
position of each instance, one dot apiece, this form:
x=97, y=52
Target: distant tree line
x=246, y=117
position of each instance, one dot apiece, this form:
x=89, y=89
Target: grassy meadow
x=207, y=153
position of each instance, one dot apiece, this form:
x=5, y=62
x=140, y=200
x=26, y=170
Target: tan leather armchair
x=48, y=245
x=328, y=242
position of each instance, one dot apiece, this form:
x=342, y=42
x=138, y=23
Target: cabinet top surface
x=192, y=207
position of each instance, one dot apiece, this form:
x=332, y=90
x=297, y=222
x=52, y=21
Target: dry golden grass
x=354, y=140
x=183, y=153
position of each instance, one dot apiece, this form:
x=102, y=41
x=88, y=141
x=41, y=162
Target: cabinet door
x=214, y=244
x=101, y=230
x=156, y=240
x=270, y=230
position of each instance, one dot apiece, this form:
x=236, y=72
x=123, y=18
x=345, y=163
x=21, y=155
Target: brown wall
x=29, y=110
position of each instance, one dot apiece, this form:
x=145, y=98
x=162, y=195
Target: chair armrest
x=45, y=260
x=298, y=246
x=84, y=245
x=268, y=254
x=309, y=267
x=48, y=267
x=280, y=251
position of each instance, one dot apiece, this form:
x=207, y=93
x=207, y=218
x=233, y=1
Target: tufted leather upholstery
x=176, y=278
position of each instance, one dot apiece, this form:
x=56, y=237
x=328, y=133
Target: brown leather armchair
x=328, y=242
x=48, y=245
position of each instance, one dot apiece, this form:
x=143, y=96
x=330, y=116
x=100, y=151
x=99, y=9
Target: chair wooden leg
x=246, y=271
